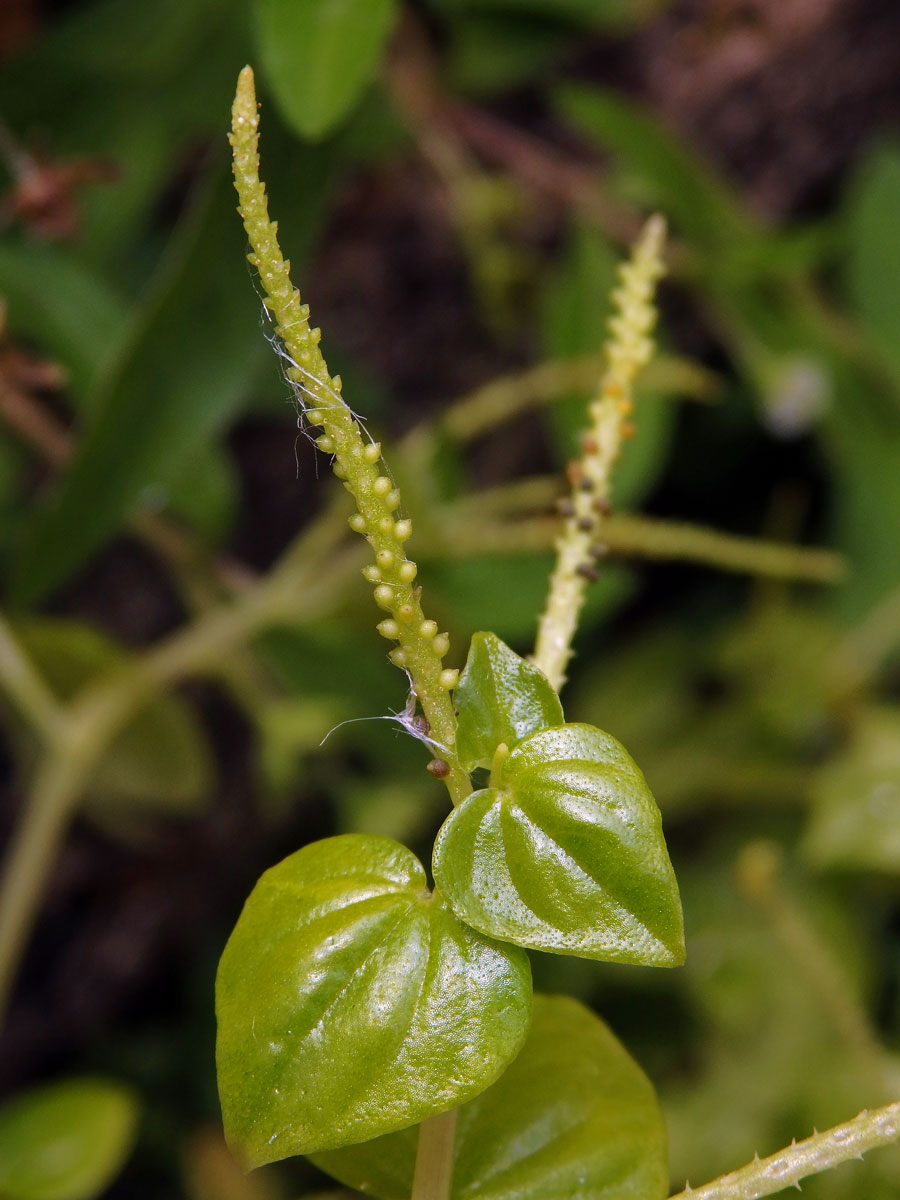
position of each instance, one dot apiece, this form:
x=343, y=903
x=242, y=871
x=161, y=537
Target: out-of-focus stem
x=302, y=586
x=22, y=682
x=758, y=875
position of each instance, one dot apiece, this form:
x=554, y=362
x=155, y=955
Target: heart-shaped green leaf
x=67, y=1140
x=566, y=854
x=573, y=1116
x=500, y=698
x=351, y=1003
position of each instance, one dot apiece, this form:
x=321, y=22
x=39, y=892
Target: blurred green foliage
x=756, y=710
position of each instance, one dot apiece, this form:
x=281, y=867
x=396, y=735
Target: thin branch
x=501, y=399
x=759, y=877
x=821, y=1152
x=304, y=585
x=25, y=686
x=645, y=537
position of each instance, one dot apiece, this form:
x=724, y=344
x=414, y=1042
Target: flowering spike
x=355, y=460
x=628, y=349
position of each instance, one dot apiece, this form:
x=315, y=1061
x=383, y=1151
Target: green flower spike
x=420, y=647
x=629, y=348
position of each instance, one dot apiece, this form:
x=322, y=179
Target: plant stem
x=433, y=1175
x=21, y=680
x=508, y=396
x=42, y=826
x=628, y=349
x=765, y=1176
x=470, y=529
x=421, y=647
x=92, y=720
x=758, y=875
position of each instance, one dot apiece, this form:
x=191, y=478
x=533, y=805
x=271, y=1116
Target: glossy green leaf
x=65, y=1141
x=574, y=1115
x=352, y=1003
x=319, y=55
x=160, y=761
x=565, y=854
x=500, y=698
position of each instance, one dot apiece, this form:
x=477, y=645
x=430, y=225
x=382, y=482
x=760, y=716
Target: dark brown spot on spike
x=438, y=768
x=602, y=506
x=586, y=485
x=421, y=726
x=585, y=524
x=587, y=571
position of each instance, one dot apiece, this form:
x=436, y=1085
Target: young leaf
x=574, y=1115
x=65, y=1141
x=352, y=1003
x=566, y=854
x=500, y=698
x=319, y=55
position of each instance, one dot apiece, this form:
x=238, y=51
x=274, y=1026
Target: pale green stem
x=502, y=399
x=433, y=1175
x=644, y=537
x=35, y=843
x=821, y=1152
x=97, y=714
x=863, y=651
x=22, y=682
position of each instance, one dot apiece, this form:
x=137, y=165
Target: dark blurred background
x=455, y=181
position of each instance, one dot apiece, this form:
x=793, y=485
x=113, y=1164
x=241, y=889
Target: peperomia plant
x=386, y=1028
